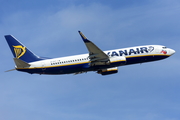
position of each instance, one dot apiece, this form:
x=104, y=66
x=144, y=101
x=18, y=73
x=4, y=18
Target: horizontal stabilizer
x=21, y=64
x=10, y=70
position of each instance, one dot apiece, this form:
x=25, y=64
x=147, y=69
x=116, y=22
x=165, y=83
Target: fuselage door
x=43, y=66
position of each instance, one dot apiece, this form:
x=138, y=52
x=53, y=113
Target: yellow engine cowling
x=108, y=71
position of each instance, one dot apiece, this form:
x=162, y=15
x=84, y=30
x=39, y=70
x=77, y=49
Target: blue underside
x=85, y=66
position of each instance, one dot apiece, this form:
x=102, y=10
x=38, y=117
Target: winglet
x=95, y=54
x=83, y=37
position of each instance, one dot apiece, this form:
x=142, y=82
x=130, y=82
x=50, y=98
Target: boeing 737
x=102, y=62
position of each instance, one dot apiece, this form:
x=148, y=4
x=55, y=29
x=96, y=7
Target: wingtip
x=83, y=37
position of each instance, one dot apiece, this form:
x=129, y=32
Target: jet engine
x=108, y=71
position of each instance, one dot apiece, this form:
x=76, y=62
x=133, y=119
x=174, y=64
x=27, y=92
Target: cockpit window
x=164, y=47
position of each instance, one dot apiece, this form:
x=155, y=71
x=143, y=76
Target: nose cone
x=171, y=51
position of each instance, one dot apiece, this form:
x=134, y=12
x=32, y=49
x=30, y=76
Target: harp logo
x=19, y=50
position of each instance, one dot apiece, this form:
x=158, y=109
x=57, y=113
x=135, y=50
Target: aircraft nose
x=171, y=51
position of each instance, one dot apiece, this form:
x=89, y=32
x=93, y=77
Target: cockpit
x=164, y=47
x=166, y=50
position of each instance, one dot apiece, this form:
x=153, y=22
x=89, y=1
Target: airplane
x=102, y=62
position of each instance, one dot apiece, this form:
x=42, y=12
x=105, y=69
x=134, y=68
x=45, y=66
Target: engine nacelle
x=108, y=71
x=121, y=60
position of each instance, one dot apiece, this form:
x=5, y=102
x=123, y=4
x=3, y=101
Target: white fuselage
x=78, y=63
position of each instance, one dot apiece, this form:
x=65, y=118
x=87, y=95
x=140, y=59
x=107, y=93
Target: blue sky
x=149, y=91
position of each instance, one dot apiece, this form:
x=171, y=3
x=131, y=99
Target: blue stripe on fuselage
x=142, y=59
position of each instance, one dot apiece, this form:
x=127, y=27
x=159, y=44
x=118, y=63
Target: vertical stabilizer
x=20, y=51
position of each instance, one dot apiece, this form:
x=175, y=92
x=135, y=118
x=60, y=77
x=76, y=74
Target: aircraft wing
x=95, y=54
